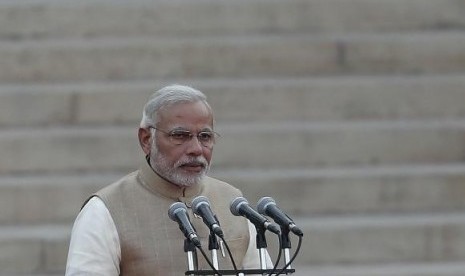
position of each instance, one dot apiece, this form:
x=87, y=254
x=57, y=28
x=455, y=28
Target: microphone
x=178, y=213
x=267, y=206
x=201, y=207
x=240, y=207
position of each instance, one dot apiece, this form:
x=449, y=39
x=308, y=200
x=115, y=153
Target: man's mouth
x=193, y=166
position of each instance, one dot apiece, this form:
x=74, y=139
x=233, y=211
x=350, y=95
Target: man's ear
x=145, y=140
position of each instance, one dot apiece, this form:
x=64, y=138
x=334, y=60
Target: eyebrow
x=185, y=129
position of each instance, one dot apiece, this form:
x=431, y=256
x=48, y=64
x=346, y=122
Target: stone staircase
x=348, y=112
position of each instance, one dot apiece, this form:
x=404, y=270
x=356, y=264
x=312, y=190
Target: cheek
x=176, y=153
x=208, y=154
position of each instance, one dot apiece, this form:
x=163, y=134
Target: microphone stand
x=190, y=248
x=261, y=246
x=286, y=245
x=192, y=261
x=213, y=246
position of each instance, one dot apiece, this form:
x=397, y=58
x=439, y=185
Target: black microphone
x=178, y=213
x=267, y=206
x=201, y=207
x=240, y=207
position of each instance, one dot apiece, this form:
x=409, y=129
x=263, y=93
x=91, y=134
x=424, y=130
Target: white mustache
x=192, y=161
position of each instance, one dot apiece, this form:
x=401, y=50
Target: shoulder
x=114, y=189
x=94, y=209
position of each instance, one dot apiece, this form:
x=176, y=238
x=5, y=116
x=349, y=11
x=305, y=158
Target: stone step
x=436, y=237
x=379, y=240
x=231, y=56
x=34, y=199
x=397, y=269
x=41, y=249
x=306, y=145
x=50, y=18
x=363, y=190
x=237, y=100
x=39, y=274
x=292, y=145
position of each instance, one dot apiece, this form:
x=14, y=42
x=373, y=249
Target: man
x=124, y=229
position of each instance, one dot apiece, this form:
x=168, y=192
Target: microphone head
x=175, y=208
x=236, y=204
x=198, y=201
x=263, y=203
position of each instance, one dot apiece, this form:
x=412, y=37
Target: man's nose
x=194, y=146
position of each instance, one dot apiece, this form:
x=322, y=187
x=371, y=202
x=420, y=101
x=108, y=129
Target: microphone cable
x=293, y=257
x=208, y=261
x=230, y=256
x=278, y=259
x=275, y=266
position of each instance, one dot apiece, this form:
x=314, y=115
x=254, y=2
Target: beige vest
x=151, y=243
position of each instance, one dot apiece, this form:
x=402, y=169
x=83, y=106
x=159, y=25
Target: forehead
x=187, y=115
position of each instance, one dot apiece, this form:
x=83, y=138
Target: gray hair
x=168, y=96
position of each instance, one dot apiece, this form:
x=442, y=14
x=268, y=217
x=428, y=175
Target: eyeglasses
x=180, y=136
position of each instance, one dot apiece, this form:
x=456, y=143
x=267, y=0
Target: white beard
x=175, y=174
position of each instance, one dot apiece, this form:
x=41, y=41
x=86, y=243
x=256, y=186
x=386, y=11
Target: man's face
x=184, y=164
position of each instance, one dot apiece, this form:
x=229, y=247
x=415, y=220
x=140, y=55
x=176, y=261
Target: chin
x=188, y=179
